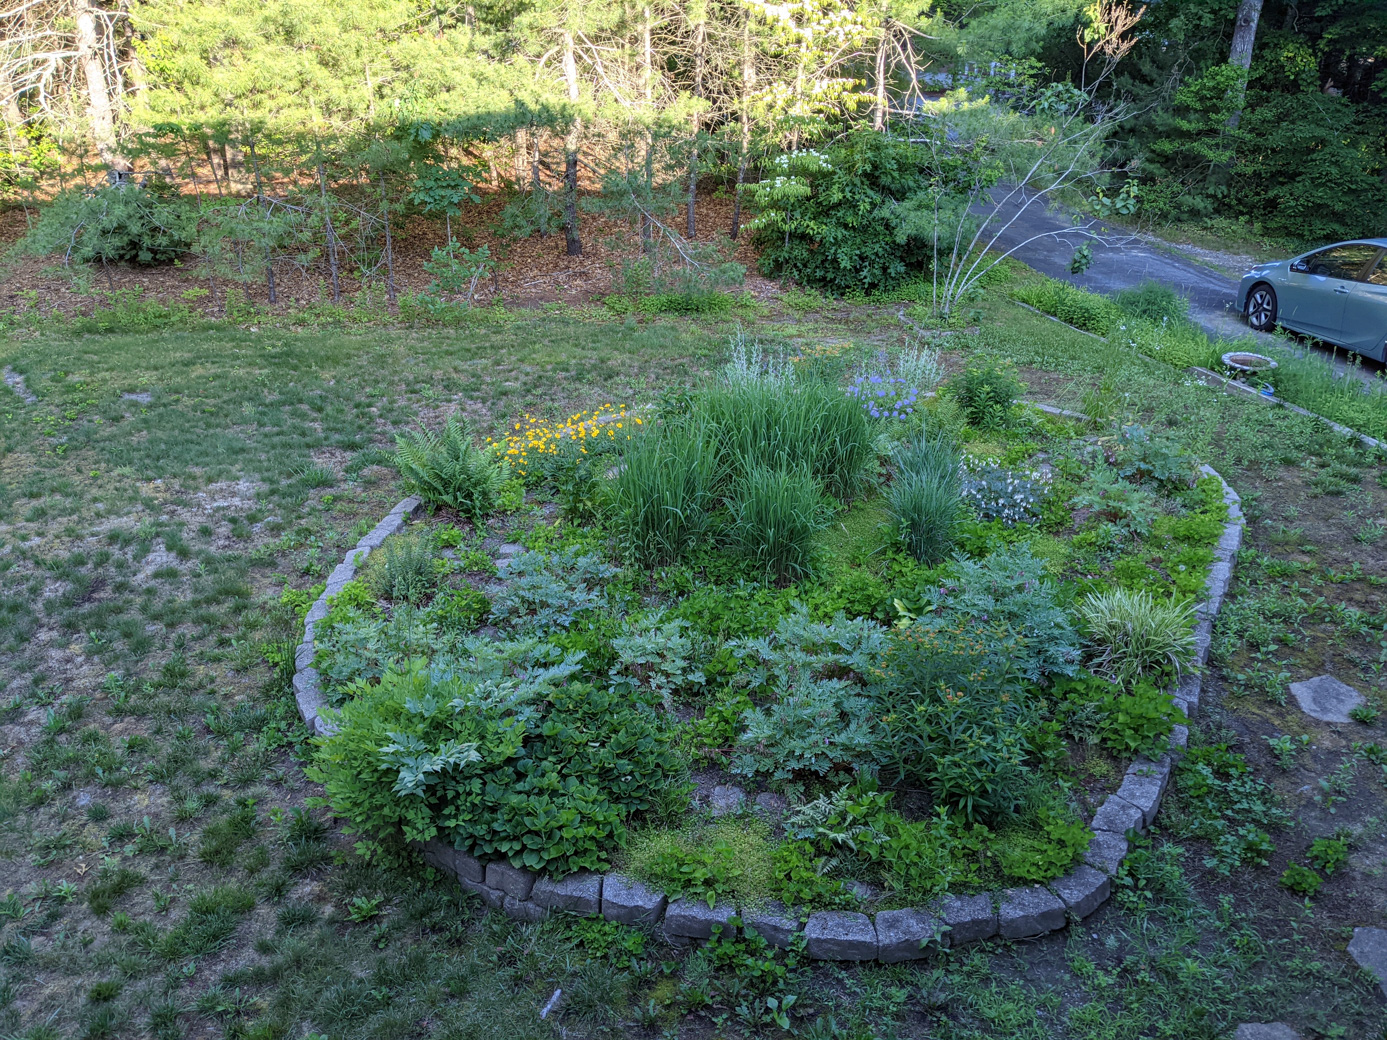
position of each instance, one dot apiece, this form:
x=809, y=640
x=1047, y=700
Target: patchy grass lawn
x=163, y=875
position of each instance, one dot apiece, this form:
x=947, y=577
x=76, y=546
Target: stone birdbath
x=1245, y=366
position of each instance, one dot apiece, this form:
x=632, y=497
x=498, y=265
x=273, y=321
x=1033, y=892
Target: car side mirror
x=1300, y=266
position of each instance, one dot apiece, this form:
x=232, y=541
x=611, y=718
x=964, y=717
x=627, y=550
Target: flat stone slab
x=1118, y=816
x=1369, y=948
x=1326, y=698
x=727, y=799
x=695, y=919
x=627, y=901
x=1083, y=890
x=1265, y=1031
x=835, y=935
x=1106, y=851
x=1029, y=911
x=907, y=935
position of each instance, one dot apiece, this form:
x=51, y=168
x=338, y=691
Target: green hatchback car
x=1337, y=294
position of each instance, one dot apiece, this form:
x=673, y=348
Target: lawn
x=168, y=498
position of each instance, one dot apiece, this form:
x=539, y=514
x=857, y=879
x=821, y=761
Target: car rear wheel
x=1261, y=307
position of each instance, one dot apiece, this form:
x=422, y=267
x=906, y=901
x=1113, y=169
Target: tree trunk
x=570, y=152
x=100, y=110
x=648, y=78
x=1244, y=35
x=389, y=245
x=700, y=39
x=879, y=102
x=13, y=117
x=541, y=204
x=331, y=235
x=744, y=146
x=265, y=207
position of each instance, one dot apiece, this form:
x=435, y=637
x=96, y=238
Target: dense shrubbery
x=126, y=223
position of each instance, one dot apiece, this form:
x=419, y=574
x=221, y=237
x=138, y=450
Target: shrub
x=663, y=492
x=1145, y=457
x=987, y=393
x=1134, y=636
x=1071, y=305
x=1328, y=854
x=535, y=770
x=924, y=499
x=1152, y=301
x=658, y=656
x=459, y=610
x=884, y=397
x=996, y=493
x=544, y=594
x=775, y=515
x=145, y=224
x=406, y=571
x=1046, y=851
x=447, y=469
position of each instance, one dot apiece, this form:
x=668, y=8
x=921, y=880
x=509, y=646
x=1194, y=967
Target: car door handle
x=1341, y=289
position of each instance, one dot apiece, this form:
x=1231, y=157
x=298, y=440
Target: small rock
x=1083, y=890
x=1369, y=948
x=1106, y=851
x=84, y=799
x=726, y=799
x=1265, y=1031
x=863, y=892
x=577, y=894
x=1326, y=698
x=1118, y=816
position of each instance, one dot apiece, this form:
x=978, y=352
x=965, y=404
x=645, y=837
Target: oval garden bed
x=810, y=650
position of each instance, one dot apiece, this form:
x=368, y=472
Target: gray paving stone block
x=772, y=805
x=308, y=695
x=1232, y=539
x=337, y=580
x=1083, y=890
x=1117, y=815
x=627, y=901
x=774, y=923
x=513, y=881
x=968, y=918
x=1326, y=698
x=1203, y=638
x=1187, y=690
x=576, y=894
x=695, y=919
x=523, y=910
x=837, y=935
x=907, y=935
x=303, y=655
x=1029, y=911
x=1265, y=1031
x=1179, y=736
x=492, y=897
x=316, y=612
x=1144, y=792
x=1106, y=851
x=1368, y=948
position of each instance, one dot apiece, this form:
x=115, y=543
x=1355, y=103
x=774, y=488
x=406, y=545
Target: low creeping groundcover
x=755, y=641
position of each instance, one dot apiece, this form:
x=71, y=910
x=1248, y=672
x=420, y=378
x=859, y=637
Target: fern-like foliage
x=448, y=469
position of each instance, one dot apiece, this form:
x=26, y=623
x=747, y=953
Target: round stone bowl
x=1245, y=364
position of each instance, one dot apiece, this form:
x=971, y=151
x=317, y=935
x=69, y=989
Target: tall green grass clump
x=1313, y=383
x=664, y=490
x=1154, y=302
x=775, y=515
x=448, y=469
x=783, y=424
x=925, y=497
x=1071, y=305
x=1134, y=636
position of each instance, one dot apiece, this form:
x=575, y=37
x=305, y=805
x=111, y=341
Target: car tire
x=1260, y=310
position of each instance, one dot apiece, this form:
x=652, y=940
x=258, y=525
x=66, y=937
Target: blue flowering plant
x=884, y=396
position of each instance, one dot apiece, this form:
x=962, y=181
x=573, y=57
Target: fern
x=448, y=469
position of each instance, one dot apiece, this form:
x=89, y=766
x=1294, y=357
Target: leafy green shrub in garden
x=405, y=570
x=775, y=515
x=663, y=492
x=1045, y=852
x=987, y=392
x=545, y=594
x=1135, y=636
x=813, y=728
x=538, y=771
x=658, y=656
x=924, y=497
x=1094, y=710
x=125, y=223
x=1145, y=457
x=460, y=609
x=448, y=469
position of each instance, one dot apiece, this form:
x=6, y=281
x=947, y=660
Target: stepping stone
x=1265, y=1031
x=727, y=799
x=1326, y=698
x=1369, y=949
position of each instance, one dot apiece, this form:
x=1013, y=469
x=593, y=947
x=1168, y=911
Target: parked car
x=1337, y=294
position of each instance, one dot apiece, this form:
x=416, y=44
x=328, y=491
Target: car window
x=1342, y=261
x=1378, y=275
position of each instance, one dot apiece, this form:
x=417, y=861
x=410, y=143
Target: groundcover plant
x=770, y=642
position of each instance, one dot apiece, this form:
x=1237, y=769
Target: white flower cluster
x=1012, y=497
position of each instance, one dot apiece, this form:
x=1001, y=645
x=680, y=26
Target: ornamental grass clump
x=663, y=492
x=448, y=469
x=775, y=516
x=924, y=498
x=1134, y=636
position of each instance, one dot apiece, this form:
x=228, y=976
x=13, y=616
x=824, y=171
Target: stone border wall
x=836, y=935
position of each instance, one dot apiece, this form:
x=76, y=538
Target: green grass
x=145, y=545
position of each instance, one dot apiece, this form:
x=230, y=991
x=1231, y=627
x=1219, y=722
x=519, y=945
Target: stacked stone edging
x=890, y=935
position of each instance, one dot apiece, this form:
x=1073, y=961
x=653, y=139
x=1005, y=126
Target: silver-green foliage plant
x=1135, y=636
x=448, y=469
x=816, y=726
x=659, y=656
x=800, y=645
x=775, y=516
x=924, y=498
x=545, y=594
